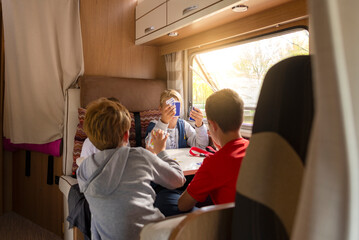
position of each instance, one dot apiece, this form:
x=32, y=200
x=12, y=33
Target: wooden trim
x=286, y=13
x=222, y=210
x=78, y=235
x=299, y=23
x=2, y=71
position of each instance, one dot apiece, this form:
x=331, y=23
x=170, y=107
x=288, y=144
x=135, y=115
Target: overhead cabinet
x=178, y=9
x=156, y=18
x=145, y=6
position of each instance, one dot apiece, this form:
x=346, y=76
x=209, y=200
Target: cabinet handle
x=187, y=10
x=149, y=29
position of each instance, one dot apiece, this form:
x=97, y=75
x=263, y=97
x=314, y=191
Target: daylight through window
x=242, y=67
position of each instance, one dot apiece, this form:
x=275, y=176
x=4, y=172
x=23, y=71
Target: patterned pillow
x=81, y=136
x=132, y=139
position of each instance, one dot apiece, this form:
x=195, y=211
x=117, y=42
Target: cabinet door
x=151, y=22
x=146, y=6
x=178, y=9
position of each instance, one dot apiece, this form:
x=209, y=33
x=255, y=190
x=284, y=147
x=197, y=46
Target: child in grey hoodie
x=116, y=180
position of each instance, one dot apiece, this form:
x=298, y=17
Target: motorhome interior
x=293, y=62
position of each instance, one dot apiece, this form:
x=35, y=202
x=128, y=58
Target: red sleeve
x=203, y=182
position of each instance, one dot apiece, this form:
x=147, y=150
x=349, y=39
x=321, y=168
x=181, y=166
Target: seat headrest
x=285, y=105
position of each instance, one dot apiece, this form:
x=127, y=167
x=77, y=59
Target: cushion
x=132, y=139
x=80, y=136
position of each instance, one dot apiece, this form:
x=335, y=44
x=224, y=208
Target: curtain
x=174, y=67
x=329, y=204
x=43, y=58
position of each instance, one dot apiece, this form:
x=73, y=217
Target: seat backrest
x=140, y=96
x=269, y=182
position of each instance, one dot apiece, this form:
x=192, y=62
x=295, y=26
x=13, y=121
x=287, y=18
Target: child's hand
x=159, y=138
x=197, y=115
x=167, y=113
x=150, y=149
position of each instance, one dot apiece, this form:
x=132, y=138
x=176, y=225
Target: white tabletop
x=188, y=163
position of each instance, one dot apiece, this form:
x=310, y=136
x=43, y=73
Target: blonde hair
x=167, y=94
x=106, y=122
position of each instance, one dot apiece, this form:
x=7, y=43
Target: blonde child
x=180, y=133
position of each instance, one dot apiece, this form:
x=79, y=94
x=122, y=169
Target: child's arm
x=197, y=137
x=154, y=125
x=167, y=171
x=170, y=174
x=203, y=183
x=166, y=115
x=186, y=202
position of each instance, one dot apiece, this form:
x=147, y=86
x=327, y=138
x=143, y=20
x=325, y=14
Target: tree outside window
x=243, y=67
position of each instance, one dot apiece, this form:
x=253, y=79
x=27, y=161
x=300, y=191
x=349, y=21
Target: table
x=188, y=163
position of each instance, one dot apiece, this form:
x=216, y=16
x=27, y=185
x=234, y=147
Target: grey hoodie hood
x=117, y=186
x=103, y=171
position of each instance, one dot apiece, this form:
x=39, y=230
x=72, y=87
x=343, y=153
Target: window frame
x=245, y=128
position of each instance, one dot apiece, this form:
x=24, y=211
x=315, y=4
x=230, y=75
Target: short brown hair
x=106, y=122
x=225, y=107
x=166, y=94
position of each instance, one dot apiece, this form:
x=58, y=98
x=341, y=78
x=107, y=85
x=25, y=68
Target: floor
x=16, y=227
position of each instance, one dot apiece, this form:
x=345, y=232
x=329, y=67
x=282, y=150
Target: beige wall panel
x=108, y=35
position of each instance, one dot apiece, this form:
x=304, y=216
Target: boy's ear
x=213, y=124
x=126, y=136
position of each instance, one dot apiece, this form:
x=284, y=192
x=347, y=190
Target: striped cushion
x=80, y=137
x=132, y=138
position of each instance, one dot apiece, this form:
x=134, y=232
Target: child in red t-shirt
x=218, y=173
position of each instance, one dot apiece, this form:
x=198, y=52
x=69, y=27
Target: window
x=242, y=67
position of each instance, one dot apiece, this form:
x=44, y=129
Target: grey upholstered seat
x=270, y=178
